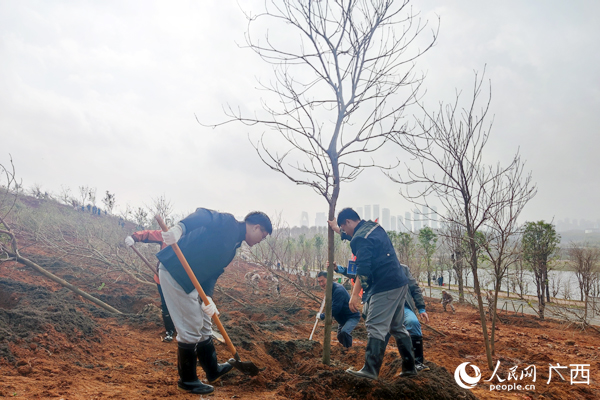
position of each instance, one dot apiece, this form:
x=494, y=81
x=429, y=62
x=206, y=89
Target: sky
x=107, y=94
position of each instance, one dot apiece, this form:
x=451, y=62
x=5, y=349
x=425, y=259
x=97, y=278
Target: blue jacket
x=209, y=243
x=377, y=265
x=339, y=305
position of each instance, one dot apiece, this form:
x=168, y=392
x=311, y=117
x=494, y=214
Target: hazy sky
x=103, y=94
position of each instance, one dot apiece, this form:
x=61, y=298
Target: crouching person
x=385, y=288
x=208, y=240
x=346, y=319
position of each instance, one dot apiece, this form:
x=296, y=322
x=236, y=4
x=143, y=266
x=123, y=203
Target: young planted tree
x=449, y=149
x=344, y=71
x=453, y=237
x=500, y=243
x=540, y=242
x=428, y=241
x=586, y=260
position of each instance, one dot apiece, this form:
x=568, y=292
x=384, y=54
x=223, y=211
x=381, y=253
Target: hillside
x=56, y=345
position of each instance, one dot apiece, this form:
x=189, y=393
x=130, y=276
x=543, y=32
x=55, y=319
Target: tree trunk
x=486, y=338
x=64, y=283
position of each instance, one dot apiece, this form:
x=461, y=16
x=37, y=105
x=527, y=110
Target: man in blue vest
x=208, y=239
x=385, y=286
x=346, y=319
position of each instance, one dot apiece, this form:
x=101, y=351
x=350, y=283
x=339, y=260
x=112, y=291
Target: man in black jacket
x=385, y=288
x=346, y=319
x=208, y=239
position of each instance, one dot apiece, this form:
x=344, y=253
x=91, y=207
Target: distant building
x=385, y=219
x=400, y=224
x=304, y=219
x=375, y=212
x=367, y=216
x=320, y=219
x=416, y=221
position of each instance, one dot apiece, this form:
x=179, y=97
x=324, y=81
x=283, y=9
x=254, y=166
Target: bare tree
x=84, y=192
x=448, y=148
x=163, y=207
x=586, y=260
x=109, y=201
x=453, y=236
x=339, y=91
x=501, y=244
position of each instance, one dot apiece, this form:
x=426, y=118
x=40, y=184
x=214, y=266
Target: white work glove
x=129, y=241
x=320, y=316
x=173, y=235
x=210, y=309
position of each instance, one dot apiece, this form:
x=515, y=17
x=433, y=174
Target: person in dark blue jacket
x=346, y=319
x=385, y=286
x=208, y=239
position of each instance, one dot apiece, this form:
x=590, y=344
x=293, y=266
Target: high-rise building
x=376, y=212
x=367, y=216
x=408, y=222
x=393, y=224
x=426, y=216
x=400, y=224
x=385, y=218
x=434, y=218
x=304, y=219
x=416, y=220
x=320, y=219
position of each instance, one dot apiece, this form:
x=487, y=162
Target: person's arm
x=354, y=303
x=334, y=226
x=363, y=250
x=150, y=236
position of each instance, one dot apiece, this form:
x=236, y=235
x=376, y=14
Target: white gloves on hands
x=173, y=235
x=129, y=241
x=209, y=309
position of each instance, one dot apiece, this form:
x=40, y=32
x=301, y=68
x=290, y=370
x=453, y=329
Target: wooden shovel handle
x=192, y=277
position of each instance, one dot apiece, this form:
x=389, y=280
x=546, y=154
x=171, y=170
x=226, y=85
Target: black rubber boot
x=373, y=360
x=417, y=343
x=345, y=339
x=186, y=366
x=207, y=358
x=408, y=358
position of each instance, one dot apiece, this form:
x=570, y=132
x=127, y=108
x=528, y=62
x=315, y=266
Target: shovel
x=317, y=321
x=246, y=367
x=145, y=260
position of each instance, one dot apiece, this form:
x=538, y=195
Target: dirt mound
x=27, y=311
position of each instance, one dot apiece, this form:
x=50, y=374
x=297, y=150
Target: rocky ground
x=56, y=345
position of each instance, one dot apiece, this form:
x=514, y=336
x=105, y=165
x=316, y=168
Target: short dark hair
x=322, y=273
x=260, y=218
x=347, y=213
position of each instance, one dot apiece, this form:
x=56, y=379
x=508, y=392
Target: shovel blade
x=246, y=367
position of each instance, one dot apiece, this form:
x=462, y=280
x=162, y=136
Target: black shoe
x=417, y=345
x=345, y=339
x=186, y=367
x=408, y=358
x=195, y=387
x=207, y=358
x=373, y=360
